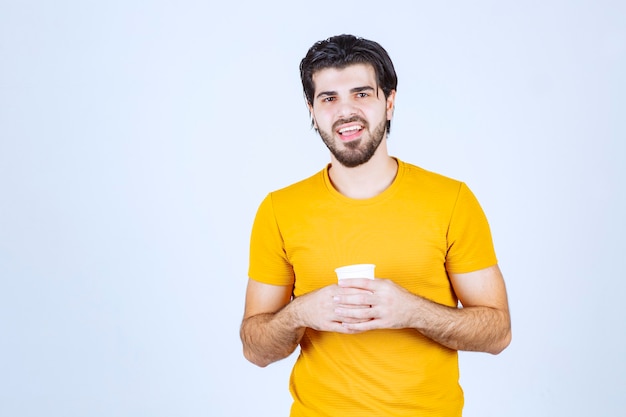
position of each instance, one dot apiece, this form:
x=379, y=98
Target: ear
x=313, y=121
x=391, y=104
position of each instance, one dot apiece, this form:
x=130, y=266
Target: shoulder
x=429, y=182
x=301, y=190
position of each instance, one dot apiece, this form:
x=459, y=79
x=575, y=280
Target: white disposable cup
x=356, y=271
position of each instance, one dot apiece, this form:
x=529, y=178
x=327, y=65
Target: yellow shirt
x=416, y=231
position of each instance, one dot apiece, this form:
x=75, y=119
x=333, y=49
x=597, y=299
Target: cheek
x=322, y=118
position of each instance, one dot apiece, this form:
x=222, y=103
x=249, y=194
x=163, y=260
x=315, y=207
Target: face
x=350, y=112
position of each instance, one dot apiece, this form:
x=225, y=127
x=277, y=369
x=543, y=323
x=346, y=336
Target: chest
x=407, y=242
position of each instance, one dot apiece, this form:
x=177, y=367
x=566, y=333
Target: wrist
x=419, y=309
x=293, y=316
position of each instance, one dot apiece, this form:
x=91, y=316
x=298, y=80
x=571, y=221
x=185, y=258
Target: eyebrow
x=352, y=91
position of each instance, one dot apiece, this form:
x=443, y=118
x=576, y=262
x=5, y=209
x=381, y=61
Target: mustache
x=350, y=120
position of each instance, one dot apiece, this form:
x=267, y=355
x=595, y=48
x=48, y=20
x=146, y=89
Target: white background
x=138, y=138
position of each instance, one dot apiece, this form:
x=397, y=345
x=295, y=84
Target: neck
x=367, y=180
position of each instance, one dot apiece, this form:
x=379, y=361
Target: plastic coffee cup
x=356, y=271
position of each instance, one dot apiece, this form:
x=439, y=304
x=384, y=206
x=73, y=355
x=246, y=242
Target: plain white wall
x=138, y=138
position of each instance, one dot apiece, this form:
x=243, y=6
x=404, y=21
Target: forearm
x=479, y=329
x=269, y=337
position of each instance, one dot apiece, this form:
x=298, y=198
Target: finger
x=351, y=306
x=351, y=314
x=351, y=290
x=360, y=327
x=361, y=299
x=353, y=320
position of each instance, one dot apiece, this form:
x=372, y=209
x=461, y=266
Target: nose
x=346, y=109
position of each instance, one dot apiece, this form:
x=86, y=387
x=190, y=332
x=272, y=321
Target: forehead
x=338, y=79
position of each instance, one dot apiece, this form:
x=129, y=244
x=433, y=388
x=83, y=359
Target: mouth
x=350, y=132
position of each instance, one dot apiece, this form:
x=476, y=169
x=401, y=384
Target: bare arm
x=483, y=324
x=268, y=330
x=273, y=323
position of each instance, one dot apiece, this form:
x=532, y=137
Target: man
x=382, y=347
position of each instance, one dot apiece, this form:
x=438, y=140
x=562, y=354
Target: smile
x=350, y=132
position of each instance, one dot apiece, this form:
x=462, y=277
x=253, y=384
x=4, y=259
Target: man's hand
x=483, y=324
x=273, y=325
x=364, y=304
x=321, y=309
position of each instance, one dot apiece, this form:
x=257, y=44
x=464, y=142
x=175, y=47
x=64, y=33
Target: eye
x=362, y=94
x=328, y=99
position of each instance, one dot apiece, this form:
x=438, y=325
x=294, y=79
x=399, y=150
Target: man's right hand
x=318, y=309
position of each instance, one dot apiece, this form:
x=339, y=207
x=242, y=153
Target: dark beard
x=357, y=152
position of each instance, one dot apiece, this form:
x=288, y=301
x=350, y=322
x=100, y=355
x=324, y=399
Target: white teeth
x=349, y=129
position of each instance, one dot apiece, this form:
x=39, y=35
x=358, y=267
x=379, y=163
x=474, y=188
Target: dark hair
x=341, y=51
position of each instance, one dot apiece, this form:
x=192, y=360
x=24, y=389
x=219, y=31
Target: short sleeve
x=470, y=245
x=268, y=261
